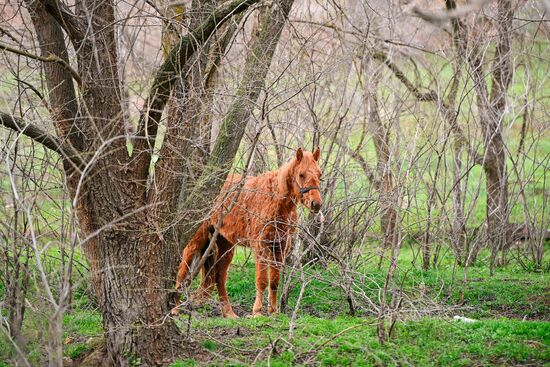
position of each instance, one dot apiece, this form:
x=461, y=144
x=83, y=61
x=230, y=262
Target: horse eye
x=302, y=175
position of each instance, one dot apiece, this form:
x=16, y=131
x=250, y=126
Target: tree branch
x=42, y=137
x=65, y=18
x=367, y=170
x=431, y=96
x=63, y=102
x=50, y=58
x=167, y=75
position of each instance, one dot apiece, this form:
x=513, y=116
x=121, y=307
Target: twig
x=42, y=137
x=50, y=58
x=292, y=323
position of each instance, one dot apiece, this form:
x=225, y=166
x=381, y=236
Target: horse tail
x=209, y=267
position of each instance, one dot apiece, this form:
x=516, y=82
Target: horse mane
x=284, y=180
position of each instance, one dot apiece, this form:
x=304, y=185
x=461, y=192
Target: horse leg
x=194, y=247
x=226, y=251
x=275, y=267
x=261, y=282
x=208, y=276
x=208, y=271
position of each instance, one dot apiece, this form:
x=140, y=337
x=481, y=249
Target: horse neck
x=285, y=195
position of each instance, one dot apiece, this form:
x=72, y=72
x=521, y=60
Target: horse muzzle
x=315, y=206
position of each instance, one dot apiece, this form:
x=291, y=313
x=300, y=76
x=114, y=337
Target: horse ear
x=317, y=154
x=299, y=154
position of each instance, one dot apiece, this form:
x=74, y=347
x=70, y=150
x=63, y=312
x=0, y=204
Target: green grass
x=511, y=291
x=500, y=303
x=352, y=341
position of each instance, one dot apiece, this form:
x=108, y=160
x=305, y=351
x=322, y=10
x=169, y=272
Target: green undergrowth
x=510, y=292
x=512, y=306
x=352, y=341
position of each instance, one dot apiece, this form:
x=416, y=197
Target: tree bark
x=380, y=135
x=114, y=206
x=491, y=113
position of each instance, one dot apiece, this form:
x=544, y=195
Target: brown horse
x=263, y=218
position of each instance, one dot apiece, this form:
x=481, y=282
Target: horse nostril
x=316, y=206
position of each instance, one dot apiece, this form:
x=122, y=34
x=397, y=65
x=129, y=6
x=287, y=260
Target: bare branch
x=42, y=137
x=431, y=96
x=169, y=72
x=367, y=170
x=423, y=97
x=50, y=58
x=62, y=99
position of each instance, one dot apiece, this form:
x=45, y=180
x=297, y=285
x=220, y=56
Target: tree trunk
x=497, y=196
x=458, y=235
x=133, y=298
x=124, y=253
x=491, y=113
x=380, y=135
x=116, y=209
x=495, y=153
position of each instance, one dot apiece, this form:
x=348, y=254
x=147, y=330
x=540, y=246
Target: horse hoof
x=256, y=314
x=230, y=315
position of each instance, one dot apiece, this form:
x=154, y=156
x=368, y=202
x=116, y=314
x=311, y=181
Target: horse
x=259, y=213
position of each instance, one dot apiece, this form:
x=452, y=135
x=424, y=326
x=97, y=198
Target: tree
x=124, y=202
x=491, y=113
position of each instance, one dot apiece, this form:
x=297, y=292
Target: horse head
x=306, y=177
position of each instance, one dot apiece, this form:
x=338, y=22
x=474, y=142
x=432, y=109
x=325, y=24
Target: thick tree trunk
x=124, y=251
x=132, y=294
x=127, y=252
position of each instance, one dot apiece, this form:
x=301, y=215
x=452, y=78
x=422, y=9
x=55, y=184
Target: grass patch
x=352, y=341
x=511, y=291
x=500, y=302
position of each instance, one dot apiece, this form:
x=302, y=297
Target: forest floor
x=511, y=309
